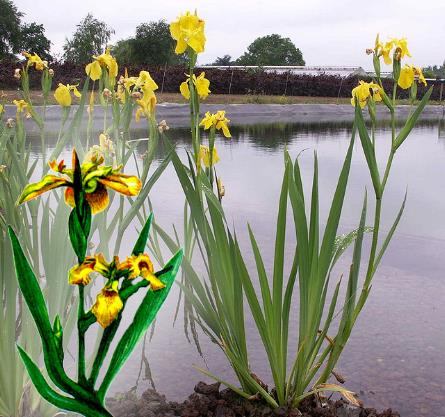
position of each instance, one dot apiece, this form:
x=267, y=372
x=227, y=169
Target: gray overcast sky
x=329, y=32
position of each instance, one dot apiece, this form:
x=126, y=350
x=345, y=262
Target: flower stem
x=81, y=337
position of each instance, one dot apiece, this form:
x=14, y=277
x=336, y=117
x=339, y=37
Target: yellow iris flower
x=137, y=85
x=80, y=274
x=63, y=94
x=108, y=304
x=188, y=30
x=143, y=81
x=364, y=92
x=106, y=60
x=143, y=87
x=98, y=152
x=36, y=61
x=204, y=155
x=201, y=83
x=408, y=74
x=142, y=266
x=399, y=46
x=147, y=104
x=96, y=178
x=218, y=120
x=21, y=105
x=386, y=51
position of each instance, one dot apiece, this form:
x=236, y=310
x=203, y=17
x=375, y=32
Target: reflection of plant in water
x=85, y=182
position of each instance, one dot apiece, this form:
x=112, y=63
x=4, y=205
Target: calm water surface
x=395, y=354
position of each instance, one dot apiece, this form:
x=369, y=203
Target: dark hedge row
x=222, y=81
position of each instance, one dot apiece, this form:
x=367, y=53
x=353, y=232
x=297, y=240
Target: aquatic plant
x=85, y=191
x=40, y=226
x=216, y=303
x=327, y=314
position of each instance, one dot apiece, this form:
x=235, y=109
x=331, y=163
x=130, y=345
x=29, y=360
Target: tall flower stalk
x=85, y=187
x=122, y=112
x=218, y=300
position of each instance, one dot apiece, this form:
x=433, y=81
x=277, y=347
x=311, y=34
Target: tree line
x=150, y=45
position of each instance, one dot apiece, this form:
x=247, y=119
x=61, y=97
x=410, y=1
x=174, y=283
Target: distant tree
x=224, y=61
x=272, y=50
x=152, y=45
x=434, y=71
x=9, y=29
x=123, y=51
x=90, y=38
x=33, y=40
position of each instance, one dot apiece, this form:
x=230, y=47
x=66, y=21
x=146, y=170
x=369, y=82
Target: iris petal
x=107, y=306
x=184, y=89
x=48, y=182
x=80, y=274
x=97, y=200
x=94, y=70
x=125, y=184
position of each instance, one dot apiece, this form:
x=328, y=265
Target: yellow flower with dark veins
x=364, y=92
x=108, y=305
x=63, y=94
x=36, y=61
x=188, y=30
x=142, y=266
x=218, y=120
x=201, y=83
x=408, y=74
x=80, y=274
x=204, y=155
x=106, y=60
x=96, y=178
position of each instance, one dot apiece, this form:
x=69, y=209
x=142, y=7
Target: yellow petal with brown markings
x=97, y=200
x=125, y=184
x=108, y=305
x=80, y=274
x=47, y=183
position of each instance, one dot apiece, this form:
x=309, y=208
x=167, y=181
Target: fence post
x=230, y=84
x=163, y=78
x=287, y=79
x=341, y=83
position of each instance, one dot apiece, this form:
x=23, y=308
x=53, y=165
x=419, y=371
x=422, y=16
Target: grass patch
x=37, y=99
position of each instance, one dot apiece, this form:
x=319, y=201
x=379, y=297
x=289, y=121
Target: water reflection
x=395, y=356
x=266, y=136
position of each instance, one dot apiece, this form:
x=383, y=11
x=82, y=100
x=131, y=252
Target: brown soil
x=210, y=401
x=7, y=96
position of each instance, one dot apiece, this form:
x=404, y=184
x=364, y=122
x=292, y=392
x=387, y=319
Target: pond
x=395, y=355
